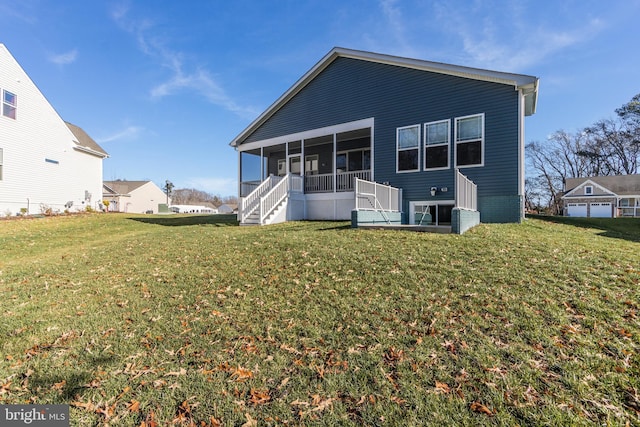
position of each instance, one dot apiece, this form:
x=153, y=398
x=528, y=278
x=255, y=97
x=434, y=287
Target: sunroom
x=329, y=159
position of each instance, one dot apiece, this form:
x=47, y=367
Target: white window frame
x=347, y=153
x=282, y=167
x=482, y=141
x=398, y=149
x=311, y=164
x=13, y=105
x=447, y=143
x=588, y=190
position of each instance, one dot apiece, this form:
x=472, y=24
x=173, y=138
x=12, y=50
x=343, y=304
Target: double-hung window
x=9, y=104
x=436, y=145
x=408, y=148
x=470, y=140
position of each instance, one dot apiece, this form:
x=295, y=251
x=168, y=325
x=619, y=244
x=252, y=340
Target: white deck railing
x=323, y=183
x=466, y=193
x=378, y=197
x=250, y=203
x=247, y=187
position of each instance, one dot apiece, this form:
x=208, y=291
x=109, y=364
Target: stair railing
x=250, y=203
x=270, y=201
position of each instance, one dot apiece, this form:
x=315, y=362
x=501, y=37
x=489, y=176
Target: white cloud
x=64, y=58
x=130, y=132
x=511, y=40
x=197, y=80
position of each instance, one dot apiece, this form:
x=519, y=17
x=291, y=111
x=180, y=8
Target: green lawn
x=192, y=320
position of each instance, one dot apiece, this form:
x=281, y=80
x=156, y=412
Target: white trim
x=588, y=190
x=448, y=144
x=589, y=182
x=602, y=196
x=455, y=141
x=398, y=149
x=313, y=133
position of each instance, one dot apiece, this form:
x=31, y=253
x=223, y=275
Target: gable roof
x=527, y=84
x=123, y=187
x=84, y=142
x=621, y=185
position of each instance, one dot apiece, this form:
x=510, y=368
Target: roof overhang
x=88, y=150
x=527, y=85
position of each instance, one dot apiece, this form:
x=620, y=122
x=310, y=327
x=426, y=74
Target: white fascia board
x=88, y=150
x=584, y=184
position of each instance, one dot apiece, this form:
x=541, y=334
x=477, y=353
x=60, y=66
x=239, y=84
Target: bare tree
x=608, y=147
x=553, y=162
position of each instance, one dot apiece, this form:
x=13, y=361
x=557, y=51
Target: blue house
x=379, y=138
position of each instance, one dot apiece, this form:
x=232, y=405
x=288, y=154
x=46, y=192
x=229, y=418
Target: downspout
x=521, y=151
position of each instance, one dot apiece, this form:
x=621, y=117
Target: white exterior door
x=600, y=210
x=577, y=209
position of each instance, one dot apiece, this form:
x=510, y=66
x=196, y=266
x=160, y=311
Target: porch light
x=434, y=190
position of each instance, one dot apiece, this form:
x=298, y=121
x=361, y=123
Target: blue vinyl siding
x=352, y=89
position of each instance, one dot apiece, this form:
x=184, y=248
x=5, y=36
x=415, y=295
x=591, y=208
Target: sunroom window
x=408, y=147
x=436, y=145
x=470, y=140
x=9, y=104
x=353, y=160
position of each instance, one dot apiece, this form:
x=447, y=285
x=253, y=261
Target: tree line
x=191, y=196
x=608, y=147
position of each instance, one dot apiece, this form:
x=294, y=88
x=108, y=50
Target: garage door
x=577, y=209
x=600, y=210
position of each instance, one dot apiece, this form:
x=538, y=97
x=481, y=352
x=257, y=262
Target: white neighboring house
x=45, y=163
x=602, y=196
x=197, y=209
x=133, y=196
x=227, y=208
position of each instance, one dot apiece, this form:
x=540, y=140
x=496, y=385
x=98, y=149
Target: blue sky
x=164, y=86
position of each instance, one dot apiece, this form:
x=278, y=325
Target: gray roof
x=123, y=187
x=84, y=142
x=621, y=185
x=527, y=84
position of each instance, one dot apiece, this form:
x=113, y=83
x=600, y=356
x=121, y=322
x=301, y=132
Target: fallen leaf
x=250, y=421
x=442, y=387
x=182, y=371
x=480, y=408
x=259, y=396
x=241, y=374
x=134, y=406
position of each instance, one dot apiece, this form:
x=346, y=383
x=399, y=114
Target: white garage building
x=602, y=196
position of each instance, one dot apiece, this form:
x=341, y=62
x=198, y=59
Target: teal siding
x=501, y=208
x=462, y=220
x=352, y=89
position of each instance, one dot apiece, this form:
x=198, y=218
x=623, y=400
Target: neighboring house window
x=354, y=160
x=9, y=104
x=469, y=140
x=436, y=145
x=408, y=147
x=588, y=190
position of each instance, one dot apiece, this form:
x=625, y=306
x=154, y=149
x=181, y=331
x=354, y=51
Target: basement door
x=431, y=213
